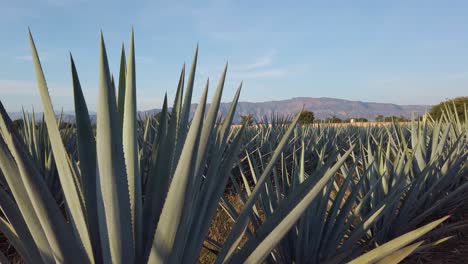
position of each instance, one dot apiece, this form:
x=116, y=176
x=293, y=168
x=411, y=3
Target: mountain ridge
x=322, y=107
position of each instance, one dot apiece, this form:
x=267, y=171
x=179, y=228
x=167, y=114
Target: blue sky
x=404, y=52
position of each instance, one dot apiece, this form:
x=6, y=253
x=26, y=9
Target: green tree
x=360, y=119
x=379, y=118
x=333, y=119
x=396, y=119
x=18, y=123
x=458, y=102
x=247, y=119
x=306, y=117
x=356, y=119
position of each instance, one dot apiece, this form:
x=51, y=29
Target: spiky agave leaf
x=171, y=223
x=396, y=244
x=47, y=224
x=392, y=172
x=113, y=199
x=87, y=157
x=71, y=193
x=131, y=149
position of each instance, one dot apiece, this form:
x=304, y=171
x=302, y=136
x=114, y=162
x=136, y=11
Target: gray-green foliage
x=107, y=218
x=392, y=181
x=137, y=191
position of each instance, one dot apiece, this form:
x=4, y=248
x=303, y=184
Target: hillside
x=322, y=107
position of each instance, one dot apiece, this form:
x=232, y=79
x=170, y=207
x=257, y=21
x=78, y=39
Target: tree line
x=459, y=104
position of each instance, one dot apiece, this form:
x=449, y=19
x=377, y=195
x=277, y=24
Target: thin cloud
x=269, y=73
x=260, y=62
x=64, y=3
x=261, y=68
x=25, y=58
x=43, y=56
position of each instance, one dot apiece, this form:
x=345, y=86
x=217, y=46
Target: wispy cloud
x=25, y=58
x=267, y=73
x=260, y=62
x=260, y=68
x=63, y=3
x=43, y=55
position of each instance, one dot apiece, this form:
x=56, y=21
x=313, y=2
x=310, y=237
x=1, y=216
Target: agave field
x=132, y=190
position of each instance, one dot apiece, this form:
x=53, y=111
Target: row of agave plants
x=145, y=191
x=389, y=181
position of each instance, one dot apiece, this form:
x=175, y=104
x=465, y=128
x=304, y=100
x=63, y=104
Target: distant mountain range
x=322, y=107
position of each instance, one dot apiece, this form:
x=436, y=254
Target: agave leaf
x=229, y=117
x=172, y=226
x=122, y=82
x=401, y=254
x=438, y=204
x=115, y=217
x=177, y=105
x=210, y=122
x=161, y=168
x=241, y=222
x=336, y=214
x=232, y=248
x=220, y=164
x=276, y=226
x=9, y=232
x=34, y=138
x=23, y=178
x=212, y=190
x=228, y=209
x=172, y=143
x=87, y=157
x=12, y=213
x=214, y=246
x=72, y=197
x=113, y=88
x=157, y=183
x=131, y=148
x=396, y=244
x=3, y=258
x=345, y=215
x=434, y=243
x=184, y=113
x=12, y=178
